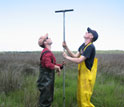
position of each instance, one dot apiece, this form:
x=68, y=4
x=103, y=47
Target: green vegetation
x=19, y=73
x=110, y=52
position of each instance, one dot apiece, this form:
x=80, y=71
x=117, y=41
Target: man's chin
x=50, y=43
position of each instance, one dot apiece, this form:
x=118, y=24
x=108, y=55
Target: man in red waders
x=48, y=66
x=87, y=67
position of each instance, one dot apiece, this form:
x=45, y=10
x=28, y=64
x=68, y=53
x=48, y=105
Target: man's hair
x=43, y=46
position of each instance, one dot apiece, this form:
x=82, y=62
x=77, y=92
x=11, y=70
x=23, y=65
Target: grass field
x=19, y=72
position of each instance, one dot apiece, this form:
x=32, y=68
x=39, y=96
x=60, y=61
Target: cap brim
x=89, y=30
x=42, y=39
x=46, y=35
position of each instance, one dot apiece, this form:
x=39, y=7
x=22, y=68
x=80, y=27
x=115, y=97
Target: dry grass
x=19, y=72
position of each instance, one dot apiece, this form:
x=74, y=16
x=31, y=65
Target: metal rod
x=64, y=67
x=64, y=26
x=63, y=11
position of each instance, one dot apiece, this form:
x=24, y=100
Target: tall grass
x=19, y=72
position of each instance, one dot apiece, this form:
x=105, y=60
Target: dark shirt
x=89, y=53
x=48, y=59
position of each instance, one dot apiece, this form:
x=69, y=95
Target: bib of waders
x=45, y=84
x=86, y=81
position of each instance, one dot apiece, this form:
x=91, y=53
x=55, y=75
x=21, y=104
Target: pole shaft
x=64, y=67
x=64, y=26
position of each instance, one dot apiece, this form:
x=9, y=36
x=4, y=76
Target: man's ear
x=91, y=36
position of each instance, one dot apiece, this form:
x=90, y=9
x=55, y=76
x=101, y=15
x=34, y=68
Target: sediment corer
x=64, y=11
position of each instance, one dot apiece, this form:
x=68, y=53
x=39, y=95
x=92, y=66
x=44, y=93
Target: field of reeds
x=19, y=72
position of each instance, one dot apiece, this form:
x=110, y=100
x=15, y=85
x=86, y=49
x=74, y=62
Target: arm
x=73, y=54
x=69, y=52
x=76, y=60
x=48, y=63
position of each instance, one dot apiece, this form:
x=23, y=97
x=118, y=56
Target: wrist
x=67, y=57
x=55, y=66
x=66, y=48
x=61, y=67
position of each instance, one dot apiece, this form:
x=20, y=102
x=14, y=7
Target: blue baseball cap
x=94, y=33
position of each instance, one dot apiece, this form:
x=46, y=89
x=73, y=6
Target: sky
x=22, y=22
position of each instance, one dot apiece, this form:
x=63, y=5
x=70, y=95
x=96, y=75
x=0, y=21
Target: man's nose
x=86, y=32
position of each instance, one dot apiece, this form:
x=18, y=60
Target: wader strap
x=43, y=54
x=87, y=46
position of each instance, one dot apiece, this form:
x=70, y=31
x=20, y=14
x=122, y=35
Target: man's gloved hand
x=64, y=45
x=63, y=63
x=58, y=69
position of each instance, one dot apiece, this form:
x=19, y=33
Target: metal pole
x=63, y=11
x=64, y=67
x=64, y=26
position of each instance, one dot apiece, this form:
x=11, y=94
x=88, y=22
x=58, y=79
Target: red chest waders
x=86, y=81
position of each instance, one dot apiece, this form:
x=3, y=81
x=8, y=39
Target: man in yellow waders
x=87, y=67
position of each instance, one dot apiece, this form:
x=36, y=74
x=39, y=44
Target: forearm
x=71, y=53
x=75, y=60
x=60, y=65
x=50, y=66
x=53, y=66
x=48, y=63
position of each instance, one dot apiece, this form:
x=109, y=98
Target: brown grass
x=16, y=66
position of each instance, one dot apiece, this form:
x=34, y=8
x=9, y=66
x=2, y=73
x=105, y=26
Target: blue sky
x=22, y=22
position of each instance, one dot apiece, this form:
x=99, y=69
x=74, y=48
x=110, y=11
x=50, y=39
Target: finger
x=59, y=73
x=59, y=70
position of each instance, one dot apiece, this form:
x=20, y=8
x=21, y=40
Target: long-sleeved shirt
x=48, y=59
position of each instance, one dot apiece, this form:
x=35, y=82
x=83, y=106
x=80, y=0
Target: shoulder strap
x=87, y=46
x=43, y=54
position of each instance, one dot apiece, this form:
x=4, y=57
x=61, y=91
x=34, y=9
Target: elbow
x=80, y=61
x=50, y=66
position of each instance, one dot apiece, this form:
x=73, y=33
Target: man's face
x=45, y=40
x=48, y=41
x=88, y=36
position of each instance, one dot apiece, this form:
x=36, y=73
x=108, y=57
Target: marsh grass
x=19, y=73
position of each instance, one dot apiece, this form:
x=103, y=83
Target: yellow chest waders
x=86, y=81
